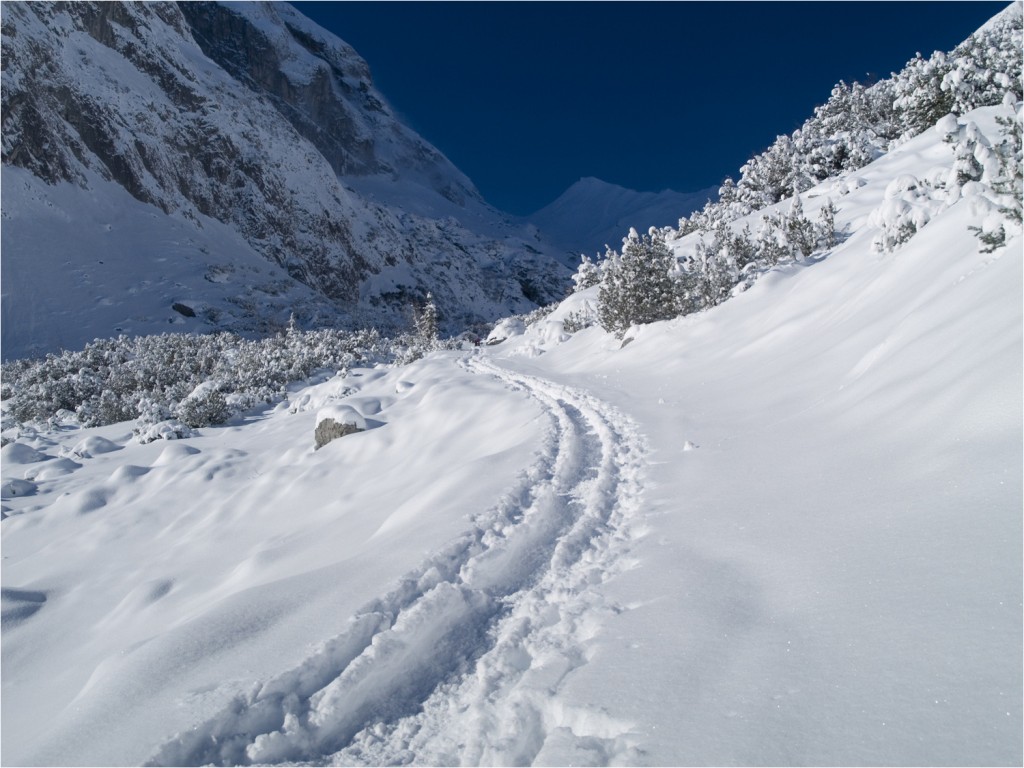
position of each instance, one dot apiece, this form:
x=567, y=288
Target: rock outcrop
x=252, y=117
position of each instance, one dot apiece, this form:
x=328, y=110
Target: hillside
x=236, y=160
x=751, y=494
x=784, y=530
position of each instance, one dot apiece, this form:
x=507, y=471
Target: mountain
x=236, y=161
x=592, y=214
x=785, y=530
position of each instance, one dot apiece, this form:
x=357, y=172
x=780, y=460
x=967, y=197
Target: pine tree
x=426, y=321
x=770, y=241
x=800, y=230
x=1010, y=182
x=966, y=164
x=588, y=274
x=826, y=226
x=637, y=286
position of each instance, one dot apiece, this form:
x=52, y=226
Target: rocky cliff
x=235, y=159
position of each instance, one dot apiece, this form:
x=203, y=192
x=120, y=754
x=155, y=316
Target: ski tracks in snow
x=463, y=662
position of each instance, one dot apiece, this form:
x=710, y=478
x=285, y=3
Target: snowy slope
x=592, y=214
x=785, y=530
x=242, y=122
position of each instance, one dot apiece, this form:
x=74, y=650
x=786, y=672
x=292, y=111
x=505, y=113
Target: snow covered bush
x=156, y=423
x=988, y=175
x=113, y=380
x=587, y=275
x=206, y=406
x=903, y=212
x=859, y=123
x=578, y=320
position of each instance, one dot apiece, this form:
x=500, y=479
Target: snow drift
x=785, y=530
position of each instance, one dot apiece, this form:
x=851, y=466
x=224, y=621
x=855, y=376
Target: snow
x=786, y=530
x=80, y=266
x=592, y=214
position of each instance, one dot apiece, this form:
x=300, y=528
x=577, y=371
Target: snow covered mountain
x=235, y=160
x=592, y=213
x=785, y=530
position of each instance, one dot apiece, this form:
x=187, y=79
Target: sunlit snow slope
x=783, y=531
x=593, y=214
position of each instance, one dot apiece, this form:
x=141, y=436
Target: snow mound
x=20, y=453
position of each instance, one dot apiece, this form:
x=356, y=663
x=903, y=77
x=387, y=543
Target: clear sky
x=526, y=98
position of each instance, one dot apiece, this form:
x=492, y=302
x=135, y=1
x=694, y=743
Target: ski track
x=463, y=661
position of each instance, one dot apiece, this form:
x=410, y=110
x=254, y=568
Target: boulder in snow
x=337, y=421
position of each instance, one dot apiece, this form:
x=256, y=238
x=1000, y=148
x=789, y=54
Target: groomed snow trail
x=462, y=663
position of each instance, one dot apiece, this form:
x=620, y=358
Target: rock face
x=244, y=123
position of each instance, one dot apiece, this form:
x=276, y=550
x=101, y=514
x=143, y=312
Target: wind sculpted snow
x=784, y=530
x=463, y=662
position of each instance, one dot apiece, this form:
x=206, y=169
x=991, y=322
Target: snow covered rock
x=506, y=329
x=337, y=421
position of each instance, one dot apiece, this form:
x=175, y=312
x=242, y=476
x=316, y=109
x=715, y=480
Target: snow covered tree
x=587, y=275
x=966, y=165
x=825, y=228
x=985, y=67
x=768, y=178
x=920, y=100
x=1010, y=179
x=799, y=230
x=770, y=241
x=426, y=320
x=742, y=249
x=715, y=270
x=637, y=286
x=1001, y=204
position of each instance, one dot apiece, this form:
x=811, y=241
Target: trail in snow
x=462, y=662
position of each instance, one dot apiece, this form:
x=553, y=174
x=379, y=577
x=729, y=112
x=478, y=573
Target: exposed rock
x=329, y=429
x=336, y=421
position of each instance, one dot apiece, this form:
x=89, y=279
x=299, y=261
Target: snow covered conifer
x=1010, y=181
x=426, y=320
x=588, y=274
x=770, y=241
x=800, y=230
x=825, y=229
x=966, y=165
x=638, y=286
x=920, y=100
x=205, y=407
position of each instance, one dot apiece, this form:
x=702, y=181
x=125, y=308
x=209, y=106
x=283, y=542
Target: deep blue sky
x=526, y=98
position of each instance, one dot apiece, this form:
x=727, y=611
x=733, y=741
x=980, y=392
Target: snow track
x=463, y=662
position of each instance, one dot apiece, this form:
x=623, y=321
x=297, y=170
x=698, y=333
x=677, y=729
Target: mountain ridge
x=251, y=116
x=592, y=213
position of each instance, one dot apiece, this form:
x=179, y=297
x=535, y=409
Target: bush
x=114, y=380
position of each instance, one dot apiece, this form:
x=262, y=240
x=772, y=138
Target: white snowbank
x=530, y=564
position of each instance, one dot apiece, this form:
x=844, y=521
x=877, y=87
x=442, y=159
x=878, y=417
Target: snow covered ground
x=783, y=531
